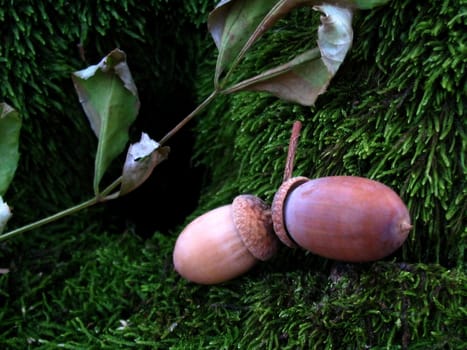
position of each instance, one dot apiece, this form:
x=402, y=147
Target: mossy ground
x=394, y=113
x=97, y=290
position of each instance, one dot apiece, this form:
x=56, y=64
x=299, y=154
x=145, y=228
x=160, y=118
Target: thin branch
x=297, y=126
x=101, y=197
x=188, y=117
x=51, y=218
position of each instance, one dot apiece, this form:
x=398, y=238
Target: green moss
x=394, y=112
x=118, y=291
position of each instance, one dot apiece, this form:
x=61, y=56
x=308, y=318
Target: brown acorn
x=345, y=218
x=225, y=242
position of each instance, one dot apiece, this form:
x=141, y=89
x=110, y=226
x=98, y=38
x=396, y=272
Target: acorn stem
x=296, y=128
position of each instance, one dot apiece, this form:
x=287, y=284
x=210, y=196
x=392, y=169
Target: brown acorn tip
x=277, y=209
x=252, y=219
x=405, y=228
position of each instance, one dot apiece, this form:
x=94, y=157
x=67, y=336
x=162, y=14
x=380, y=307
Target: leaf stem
x=189, y=117
x=104, y=195
x=51, y=218
x=101, y=197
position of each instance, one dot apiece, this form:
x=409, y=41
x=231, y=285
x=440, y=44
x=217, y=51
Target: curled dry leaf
x=304, y=78
x=335, y=35
x=141, y=159
x=236, y=25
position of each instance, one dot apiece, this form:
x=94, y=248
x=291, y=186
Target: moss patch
x=101, y=290
x=394, y=112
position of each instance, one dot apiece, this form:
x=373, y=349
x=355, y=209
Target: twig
x=297, y=126
x=188, y=118
x=48, y=219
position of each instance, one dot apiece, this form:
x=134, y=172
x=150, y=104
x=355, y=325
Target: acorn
x=345, y=218
x=226, y=242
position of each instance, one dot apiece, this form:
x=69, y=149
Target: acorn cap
x=252, y=219
x=277, y=209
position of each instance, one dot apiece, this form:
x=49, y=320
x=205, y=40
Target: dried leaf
x=232, y=24
x=10, y=126
x=307, y=76
x=142, y=158
x=236, y=25
x=287, y=82
x=335, y=35
x=110, y=100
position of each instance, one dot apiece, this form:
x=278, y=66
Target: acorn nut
x=225, y=242
x=345, y=218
